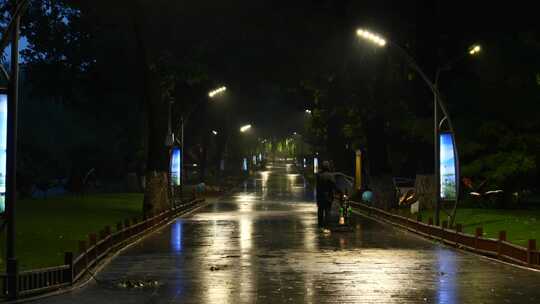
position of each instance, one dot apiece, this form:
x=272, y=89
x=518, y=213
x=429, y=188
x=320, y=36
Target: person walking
x=325, y=186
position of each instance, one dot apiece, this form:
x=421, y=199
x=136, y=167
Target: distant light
x=475, y=49
x=245, y=128
x=294, y=133
x=308, y=111
x=195, y=165
x=217, y=91
x=214, y=132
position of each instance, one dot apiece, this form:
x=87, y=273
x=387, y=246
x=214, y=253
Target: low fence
x=91, y=252
x=497, y=248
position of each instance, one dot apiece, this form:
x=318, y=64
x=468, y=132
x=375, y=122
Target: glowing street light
x=215, y=132
x=217, y=92
x=438, y=103
x=373, y=38
x=245, y=128
x=308, y=111
x=475, y=50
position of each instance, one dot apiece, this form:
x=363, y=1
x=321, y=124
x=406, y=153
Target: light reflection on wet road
x=261, y=244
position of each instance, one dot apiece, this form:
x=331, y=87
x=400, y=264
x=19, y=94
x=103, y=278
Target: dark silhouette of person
x=325, y=187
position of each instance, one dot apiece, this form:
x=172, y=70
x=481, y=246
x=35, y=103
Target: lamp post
x=11, y=151
x=474, y=50
x=183, y=121
x=244, y=130
x=438, y=103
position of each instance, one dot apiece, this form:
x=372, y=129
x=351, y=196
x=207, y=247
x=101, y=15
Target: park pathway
x=261, y=244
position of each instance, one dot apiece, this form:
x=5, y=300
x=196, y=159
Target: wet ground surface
x=261, y=244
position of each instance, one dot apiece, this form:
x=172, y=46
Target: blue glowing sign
x=448, y=170
x=245, y=164
x=176, y=166
x=3, y=150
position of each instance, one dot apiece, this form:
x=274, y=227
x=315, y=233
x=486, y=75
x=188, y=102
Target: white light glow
x=245, y=128
x=376, y=39
x=475, y=49
x=214, y=132
x=217, y=92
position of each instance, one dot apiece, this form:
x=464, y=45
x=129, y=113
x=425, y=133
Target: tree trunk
x=156, y=195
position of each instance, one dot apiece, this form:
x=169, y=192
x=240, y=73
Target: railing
x=497, y=248
x=91, y=252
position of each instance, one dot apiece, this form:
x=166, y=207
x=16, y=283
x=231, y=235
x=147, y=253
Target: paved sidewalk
x=262, y=245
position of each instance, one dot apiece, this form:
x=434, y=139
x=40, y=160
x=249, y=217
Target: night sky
x=264, y=49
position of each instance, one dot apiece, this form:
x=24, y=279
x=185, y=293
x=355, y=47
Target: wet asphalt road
x=261, y=244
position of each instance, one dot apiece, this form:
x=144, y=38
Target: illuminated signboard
x=245, y=164
x=3, y=150
x=315, y=165
x=176, y=166
x=448, y=170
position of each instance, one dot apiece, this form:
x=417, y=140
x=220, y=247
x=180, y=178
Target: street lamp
x=217, y=92
x=438, y=103
x=245, y=128
x=373, y=38
x=308, y=111
x=215, y=132
x=184, y=119
x=475, y=50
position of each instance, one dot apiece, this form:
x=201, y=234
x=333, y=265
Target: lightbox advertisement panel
x=3, y=150
x=176, y=166
x=448, y=170
x=245, y=164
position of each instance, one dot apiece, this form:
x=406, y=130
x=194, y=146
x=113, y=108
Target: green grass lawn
x=48, y=228
x=520, y=225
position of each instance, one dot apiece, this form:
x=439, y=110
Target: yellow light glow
x=217, y=91
x=475, y=49
x=378, y=40
x=245, y=128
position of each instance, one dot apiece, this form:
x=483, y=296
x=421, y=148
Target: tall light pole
x=438, y=103
x=11, y=151
x=183, y=121
x=474, y=50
